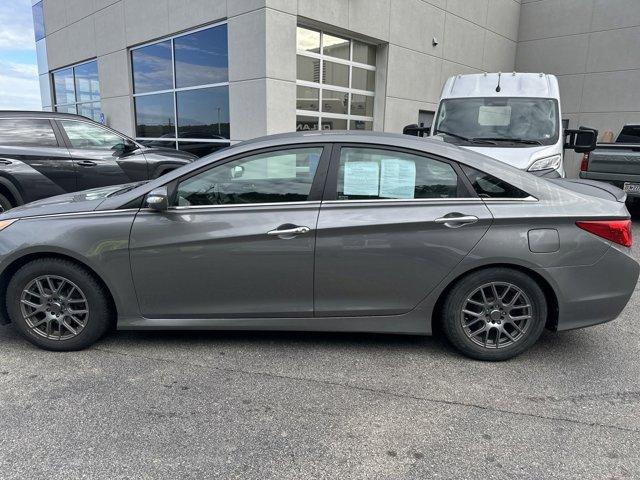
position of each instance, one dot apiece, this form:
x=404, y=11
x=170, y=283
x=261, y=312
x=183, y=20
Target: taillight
x=617, y=231
x=584, y=164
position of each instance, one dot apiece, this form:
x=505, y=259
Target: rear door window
x=377, y=174
x=25, y=132
x=629, y=134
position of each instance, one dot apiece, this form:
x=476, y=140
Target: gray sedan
x=334, y=232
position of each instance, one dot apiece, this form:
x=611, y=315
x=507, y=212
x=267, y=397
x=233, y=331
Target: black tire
x=5, y=204
x=456, y=301
x=99, y=314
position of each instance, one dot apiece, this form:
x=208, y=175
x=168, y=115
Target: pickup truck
x=617, y=163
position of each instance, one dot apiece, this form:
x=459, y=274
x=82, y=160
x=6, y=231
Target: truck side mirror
x=416, y=130
x=582, y=140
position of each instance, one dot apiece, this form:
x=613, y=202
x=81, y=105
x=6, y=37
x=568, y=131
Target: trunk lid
x=593, y=188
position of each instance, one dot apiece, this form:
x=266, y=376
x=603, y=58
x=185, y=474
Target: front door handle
x=456, y=220
x=288, y=232
x=87, y=163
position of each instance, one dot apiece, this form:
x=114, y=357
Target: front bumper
x=593, y=294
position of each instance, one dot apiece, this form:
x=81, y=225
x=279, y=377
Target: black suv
x=44, y=154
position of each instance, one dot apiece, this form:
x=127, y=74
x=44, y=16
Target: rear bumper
x=593, y=294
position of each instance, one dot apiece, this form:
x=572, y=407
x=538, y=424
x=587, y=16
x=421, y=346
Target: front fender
x=97, y=240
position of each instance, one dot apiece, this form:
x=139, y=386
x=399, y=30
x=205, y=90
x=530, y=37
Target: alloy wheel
x=496, y=315
x=54, y=307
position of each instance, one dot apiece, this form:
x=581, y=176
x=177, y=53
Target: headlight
x=548, y=163
x=5, y=223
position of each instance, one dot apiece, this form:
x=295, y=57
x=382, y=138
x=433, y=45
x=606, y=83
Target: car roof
x=39, y=114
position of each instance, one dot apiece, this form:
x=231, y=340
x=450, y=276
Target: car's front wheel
x=494, y=314
x=58, y=305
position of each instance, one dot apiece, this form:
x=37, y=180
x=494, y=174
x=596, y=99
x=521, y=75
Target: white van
x=512, y=117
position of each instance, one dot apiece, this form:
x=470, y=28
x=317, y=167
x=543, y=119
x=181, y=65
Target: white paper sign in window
x=494, y=116
x=361, y=179
x=397, y=178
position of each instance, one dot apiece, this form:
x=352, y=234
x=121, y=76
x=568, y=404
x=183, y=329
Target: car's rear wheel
x=494, y=314
x=5, y=204
x=58, y=305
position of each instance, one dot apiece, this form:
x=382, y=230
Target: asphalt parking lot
x=239, y=405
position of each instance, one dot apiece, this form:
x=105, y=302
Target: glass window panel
x=488, y=186
x=308, y=69
x=38, y=21
x=202, y=57
x=363, y=53
x=155, y=116
x=360, y=125
x=67, y=109
x=84, y=135
x=308, y=40
x=307, y=98
x=64, y=87
x=336, y=74
x=16, y=132
x=334, y=123
x=361, y=105
x=204, y=113
x=363, y=79
x=87, y=83
x=90, y=110
x=367, y=173
x=335, y=102
x=335, y=46
x=201, y=149
x=305, y=124
x=152, y=70
x=283, y=176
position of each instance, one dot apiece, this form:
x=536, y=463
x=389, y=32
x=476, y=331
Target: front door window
x=83, y=135
x=274, y=177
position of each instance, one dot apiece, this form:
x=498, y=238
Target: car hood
x=519, y=157
x=84, y=201
x=169, y=153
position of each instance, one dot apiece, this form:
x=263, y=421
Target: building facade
x=199, y=74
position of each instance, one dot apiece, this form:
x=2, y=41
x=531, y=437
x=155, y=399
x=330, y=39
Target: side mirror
x=158, y=199
x=582, y=140
x=126, y=146
x=237, y=171
x=417, y=131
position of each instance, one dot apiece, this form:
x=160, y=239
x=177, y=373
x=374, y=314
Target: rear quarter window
x=19, y=132
x=488, y=186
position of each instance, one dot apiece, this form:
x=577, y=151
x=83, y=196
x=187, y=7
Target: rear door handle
x=454, y=220
x=289, y=232
x=87, y=163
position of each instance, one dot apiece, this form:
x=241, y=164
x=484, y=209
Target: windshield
x=515, y=121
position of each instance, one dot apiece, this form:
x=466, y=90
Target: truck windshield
x=507, y=122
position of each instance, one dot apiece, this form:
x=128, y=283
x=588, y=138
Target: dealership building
x=200, y=74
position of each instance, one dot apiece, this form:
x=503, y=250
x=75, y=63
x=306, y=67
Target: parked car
x=324, y=231
x=617, y=163
x=43, y=154
x=512, y=117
